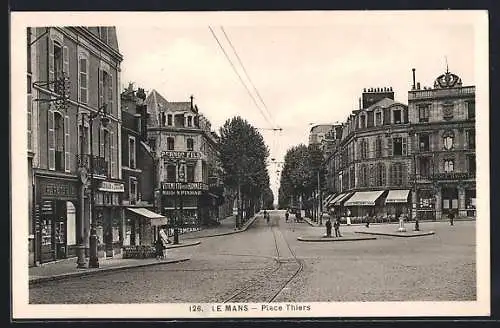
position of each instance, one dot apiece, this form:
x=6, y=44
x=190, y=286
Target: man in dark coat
x=328, y=225
x=451, y=216
x=336, y=225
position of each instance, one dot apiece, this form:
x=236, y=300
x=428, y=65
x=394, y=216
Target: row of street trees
x=243, y=155
x=303, y=176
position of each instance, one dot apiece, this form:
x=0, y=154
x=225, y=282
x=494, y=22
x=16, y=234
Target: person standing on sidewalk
x=286, y=215
x=328, y=226
x=336, y=226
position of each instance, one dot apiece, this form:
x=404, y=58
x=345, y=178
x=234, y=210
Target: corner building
x=180, y=136
x=443, y=130
x=59, y=138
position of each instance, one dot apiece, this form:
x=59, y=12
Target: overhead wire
x=239, y=76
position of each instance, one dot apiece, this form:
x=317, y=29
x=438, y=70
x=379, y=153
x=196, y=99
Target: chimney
x=191, y=97
x=413, y=71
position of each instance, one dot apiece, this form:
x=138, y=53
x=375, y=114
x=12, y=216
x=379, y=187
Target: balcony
x=454, y=176
x=435, y=93
x=99, y=164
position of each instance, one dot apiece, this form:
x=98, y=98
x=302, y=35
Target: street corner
x=184, y=244
x=408, y=233
x=334, y=239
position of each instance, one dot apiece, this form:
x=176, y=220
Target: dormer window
x=190, y=121
x=362, y=121
x=396, y=116
x=169, y=119
x=378, y=118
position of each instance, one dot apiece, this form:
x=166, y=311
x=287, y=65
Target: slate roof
x=384, y=103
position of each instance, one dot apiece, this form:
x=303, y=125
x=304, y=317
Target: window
x=103, y=34
x=171, y=173
x=471, y=164
x=362, y=121
x=423, y=142
x=423, y=113
x=84, y=139
x=190, y=173
x=378, y=118
x=352, y=177
x=396, y=116
x=170, y=143
x=364, y=148
x=397, y=174
x=83, y=80
x=152, y=143
x=169, y=120
x=362, y=176
x=448, y=138
x=471, y=110
x=58, y=66
x=107, y=147
x=448, y=165
x=378, y=146
x=179, y=120
x=131, y=152
x=471, y=139
x=59, y=141
x=132, y=190
x=190, y=144
x=399, y=146
x=424, y=166
x=190, y=121
x=380, y=174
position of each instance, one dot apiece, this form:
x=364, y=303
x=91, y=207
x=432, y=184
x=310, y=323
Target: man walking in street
x=287, y=214
x=336, y=225
x=451, y=216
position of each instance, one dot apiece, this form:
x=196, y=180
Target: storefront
x=426, y=203
x=337, y=203
x=108, y=218
x=183, y=203
x=397, y=203
x=55, y=215
x=364, y=203
x=140, y=226
x=470, y=202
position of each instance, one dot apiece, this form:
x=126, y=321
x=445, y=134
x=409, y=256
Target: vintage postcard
x=250, y=164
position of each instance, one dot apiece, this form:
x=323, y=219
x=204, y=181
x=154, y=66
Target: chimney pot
x=413, y=72
x=418, y=85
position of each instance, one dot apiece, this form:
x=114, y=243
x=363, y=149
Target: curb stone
x=395, y=234
x=338, y=239
x=251, y=221
x=88, y=272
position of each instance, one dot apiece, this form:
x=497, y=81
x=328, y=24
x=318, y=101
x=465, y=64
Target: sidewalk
x=227, y=227
x=67, y=268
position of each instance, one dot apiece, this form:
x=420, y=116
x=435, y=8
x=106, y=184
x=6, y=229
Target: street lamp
x=104, y=120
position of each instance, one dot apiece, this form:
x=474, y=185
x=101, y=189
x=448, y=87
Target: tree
x=243, y=155
x=268, y=199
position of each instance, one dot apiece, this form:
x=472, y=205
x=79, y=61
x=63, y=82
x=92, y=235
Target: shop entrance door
x=450, y=200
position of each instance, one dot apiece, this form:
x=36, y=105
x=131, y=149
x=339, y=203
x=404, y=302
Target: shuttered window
x=51, y=143
x=83, y=68
x=113, y=155
x=67, y=149
x=51, y=63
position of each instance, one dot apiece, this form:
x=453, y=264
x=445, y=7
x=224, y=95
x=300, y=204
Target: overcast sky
x=305, y=73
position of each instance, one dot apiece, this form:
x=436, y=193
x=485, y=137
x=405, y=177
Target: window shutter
x=110, y=94
x=101, y=142
x=113, y=155
x=66, y=60
x=101, y=93
x=51, y=142
x=389, y=146
x=67, y=145
x=404, y=146
x=51, y=64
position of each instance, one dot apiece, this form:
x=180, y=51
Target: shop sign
x=111, y=186
x=184, y=186
x=171, y=154
x=182, y=192
x=58, y=189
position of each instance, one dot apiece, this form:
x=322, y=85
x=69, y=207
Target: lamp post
x=178, y=199
x=414, y=205
x=104, y=120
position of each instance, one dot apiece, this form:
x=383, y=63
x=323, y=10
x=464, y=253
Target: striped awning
x=327, y=199
x=156, y=219
x=364, y=198
x=397, y=196
x=337, y=201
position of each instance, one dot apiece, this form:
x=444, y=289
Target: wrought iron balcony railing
x=99, y=164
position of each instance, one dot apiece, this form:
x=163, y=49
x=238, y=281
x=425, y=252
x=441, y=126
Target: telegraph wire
x=239, y=76
x=248, y=76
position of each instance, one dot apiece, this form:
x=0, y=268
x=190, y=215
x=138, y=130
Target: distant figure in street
x=266, y=216
x=328, y=225
x=451, y=216
x=336, y=226
x=160, y=249
x=367, y=220
x=286, y=215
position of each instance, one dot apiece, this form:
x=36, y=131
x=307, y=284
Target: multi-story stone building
x=138, y=171
x=443, y=136
x=318, y=133
x=59, y=136
x=388, y=150
x=188, y=160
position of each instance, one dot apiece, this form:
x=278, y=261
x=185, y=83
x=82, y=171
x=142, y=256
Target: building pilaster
x=439, y=200
x=461, y=200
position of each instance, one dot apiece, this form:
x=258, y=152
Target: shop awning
x=397, y=196
x=337, y=201
x=156, y=219
x=327, y=199
x=364, y=198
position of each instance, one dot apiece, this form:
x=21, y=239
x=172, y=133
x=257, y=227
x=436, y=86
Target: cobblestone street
x=438, y=267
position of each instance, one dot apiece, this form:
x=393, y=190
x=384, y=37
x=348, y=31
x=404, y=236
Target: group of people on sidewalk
x=336, y=227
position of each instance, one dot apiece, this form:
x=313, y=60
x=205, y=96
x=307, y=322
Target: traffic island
x=408, y=233
x=183, y=244
x=333, y=239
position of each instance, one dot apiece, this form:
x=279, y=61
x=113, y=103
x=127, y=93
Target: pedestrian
x=367, y=220
x=286, y=215
x=159, y=249
x=451, y=216
x=328, y=225
x=336, y=226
